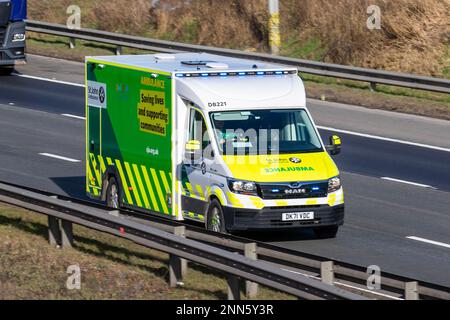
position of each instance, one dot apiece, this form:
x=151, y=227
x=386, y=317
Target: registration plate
x=296, y=216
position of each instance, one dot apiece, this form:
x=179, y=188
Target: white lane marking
x=436, y=243
x=365, y=135
x=58, y=157
x=408, y=182
x=320, y=127
x=347, y=285
x=73, y=116
x=48, y=80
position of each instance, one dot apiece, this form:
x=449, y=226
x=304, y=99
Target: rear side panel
x=129, y=130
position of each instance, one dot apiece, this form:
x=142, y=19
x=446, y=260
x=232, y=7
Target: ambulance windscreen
x=265, y=132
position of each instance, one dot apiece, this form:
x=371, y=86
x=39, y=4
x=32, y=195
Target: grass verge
x=111, y=268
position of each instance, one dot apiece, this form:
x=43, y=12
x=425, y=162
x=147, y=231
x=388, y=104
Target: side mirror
x=334, y=147
x=192, y=150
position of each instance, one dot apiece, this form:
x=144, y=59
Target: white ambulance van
x=223, y=141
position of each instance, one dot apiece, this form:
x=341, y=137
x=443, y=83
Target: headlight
x=18, y=37
x=334, y=184
x=244, y=187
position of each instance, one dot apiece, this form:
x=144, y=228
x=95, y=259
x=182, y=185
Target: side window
x=198, y=130
x=195, y=125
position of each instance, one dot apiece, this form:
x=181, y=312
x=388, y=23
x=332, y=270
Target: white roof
x=211, y=92
x=173, y=62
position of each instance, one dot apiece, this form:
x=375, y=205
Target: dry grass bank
x=111, y=268
x=414, y=36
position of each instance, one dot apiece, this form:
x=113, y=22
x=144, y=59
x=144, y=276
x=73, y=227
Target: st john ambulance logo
x=101, y=95
x=96, y=93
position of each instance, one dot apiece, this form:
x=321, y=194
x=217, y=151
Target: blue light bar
x=235, y=73
x=275, y=190
x=315, y=188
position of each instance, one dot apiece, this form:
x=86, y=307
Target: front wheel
x=112, y=194
x=214, y=219
x=326, y=232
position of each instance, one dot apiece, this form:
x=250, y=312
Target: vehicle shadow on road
x=280, y=235
x=73, y=187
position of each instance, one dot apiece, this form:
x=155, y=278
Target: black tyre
x=6, y=71
x=113, y=194
x=214, y=219
x=326, y=232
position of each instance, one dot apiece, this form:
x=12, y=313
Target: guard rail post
x=177, y=265
x=72, y=43
x=251, y=288
x=412, y=290
x=66, y=234
x=181, y=231
x=54, y=235
x=327, y=272
x=234, y=287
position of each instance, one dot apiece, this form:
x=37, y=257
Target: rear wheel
x=326, y=232
x=112, y=194
x=214, y=219
x=6, y=71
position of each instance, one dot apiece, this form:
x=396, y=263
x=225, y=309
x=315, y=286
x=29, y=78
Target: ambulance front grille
x=294, y=190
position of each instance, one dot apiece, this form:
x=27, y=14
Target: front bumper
x=269, y=218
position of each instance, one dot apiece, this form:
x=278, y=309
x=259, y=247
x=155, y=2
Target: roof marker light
x=234, y=73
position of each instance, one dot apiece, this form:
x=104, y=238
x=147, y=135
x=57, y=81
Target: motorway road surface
x=402, y=226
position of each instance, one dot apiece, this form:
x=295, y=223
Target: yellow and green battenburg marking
x=143, y=186
x=124, y=134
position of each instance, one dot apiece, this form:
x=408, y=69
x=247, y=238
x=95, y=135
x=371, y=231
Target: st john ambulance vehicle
x=223, y=141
